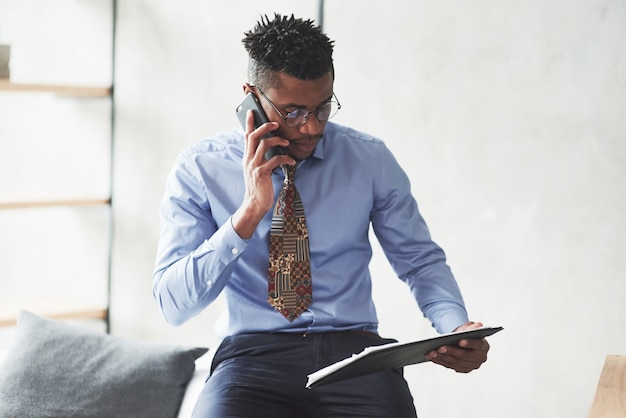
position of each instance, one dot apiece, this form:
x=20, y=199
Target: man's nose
x=311, y=126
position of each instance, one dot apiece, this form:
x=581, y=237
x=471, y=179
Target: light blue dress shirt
x=352, y=181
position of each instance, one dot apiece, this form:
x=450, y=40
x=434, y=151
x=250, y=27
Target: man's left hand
x=469, y=355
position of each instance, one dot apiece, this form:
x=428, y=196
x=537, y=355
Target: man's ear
x=247, y=88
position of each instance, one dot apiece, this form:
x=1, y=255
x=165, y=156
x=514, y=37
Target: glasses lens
x=296, y=118
x=327, y=111
x=299, y=117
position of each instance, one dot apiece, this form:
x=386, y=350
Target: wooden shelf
x=75, y=91
x=61, y=310
x=54, y=203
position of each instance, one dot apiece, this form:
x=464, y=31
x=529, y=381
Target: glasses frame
x=305, y=118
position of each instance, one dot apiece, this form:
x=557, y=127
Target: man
x=217, y=224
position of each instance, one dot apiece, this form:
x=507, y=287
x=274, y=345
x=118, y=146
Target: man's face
x=289, y=94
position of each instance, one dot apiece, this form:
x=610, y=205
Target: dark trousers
x=264, y=376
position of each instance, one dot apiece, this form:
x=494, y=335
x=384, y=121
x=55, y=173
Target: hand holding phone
x=251, y=101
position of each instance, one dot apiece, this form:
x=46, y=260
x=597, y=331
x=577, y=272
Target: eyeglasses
x=299, y=117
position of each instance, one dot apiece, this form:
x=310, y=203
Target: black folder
x=390, y=356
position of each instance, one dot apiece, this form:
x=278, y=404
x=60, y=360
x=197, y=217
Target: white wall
x=180, y=72
x=55, y=147
x=508, y=117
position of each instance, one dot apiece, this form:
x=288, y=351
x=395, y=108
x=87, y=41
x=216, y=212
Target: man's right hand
x=257, y=171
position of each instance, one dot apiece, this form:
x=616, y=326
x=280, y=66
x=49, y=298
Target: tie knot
x=290, y=172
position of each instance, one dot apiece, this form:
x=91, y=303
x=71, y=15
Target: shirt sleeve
x=406, y=241
x=195, y=257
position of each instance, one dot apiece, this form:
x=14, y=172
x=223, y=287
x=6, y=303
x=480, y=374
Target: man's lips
x=304, y=144
x=305, y=141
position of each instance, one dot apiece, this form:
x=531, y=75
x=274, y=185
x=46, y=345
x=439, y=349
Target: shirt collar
x=319, y=149
x=329, y=130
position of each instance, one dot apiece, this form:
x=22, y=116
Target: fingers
x=474, y=344
x=470, y=355
x=258, y=141
x=469, y=325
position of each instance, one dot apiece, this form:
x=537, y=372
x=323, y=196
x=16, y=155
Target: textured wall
x=508, y=117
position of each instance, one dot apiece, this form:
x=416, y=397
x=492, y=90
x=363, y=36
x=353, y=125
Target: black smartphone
x=251, y=101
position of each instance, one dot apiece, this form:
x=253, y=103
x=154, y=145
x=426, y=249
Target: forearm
x=183, y=288
x=246, y=219
x=439, y=297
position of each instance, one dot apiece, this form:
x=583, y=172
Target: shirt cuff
x=226, y=243
x=451, y=320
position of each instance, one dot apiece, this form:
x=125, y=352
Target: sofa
x=55, y=369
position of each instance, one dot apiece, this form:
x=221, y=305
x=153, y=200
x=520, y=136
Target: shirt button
x=235, y=251
x=209, y=283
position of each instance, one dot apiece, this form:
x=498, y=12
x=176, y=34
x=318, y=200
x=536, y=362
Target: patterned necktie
x=289, y=276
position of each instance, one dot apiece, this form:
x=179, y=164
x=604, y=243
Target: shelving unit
x=75, y=91
x=55, y=309
x=79, y=206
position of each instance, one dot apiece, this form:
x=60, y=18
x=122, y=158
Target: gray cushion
x=55, y=369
